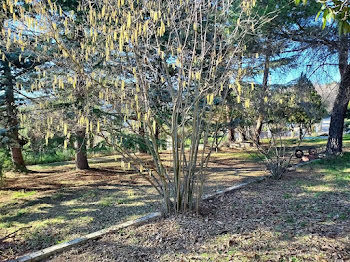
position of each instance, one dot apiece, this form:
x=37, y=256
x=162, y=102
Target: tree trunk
x=12, y=121
x=81, y=156
x=231, y=135
x=335, y=136
x=258, y=128
x=91, y=141
x=157, y=132
x=300, y=132
x=142, y=143
x=259, y=122
x=157, y=136
x=241, y=135
x=17, y=159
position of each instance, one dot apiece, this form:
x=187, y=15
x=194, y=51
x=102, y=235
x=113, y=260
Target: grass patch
x=243, y=155
x=108, y=202
x=23, y=194
x=6, y=224
x=40, y=238
x=49, y=222
x=88, y=195
x=336, y=170
x=21, y=212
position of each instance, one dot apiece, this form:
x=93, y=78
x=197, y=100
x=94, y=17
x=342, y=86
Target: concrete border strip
x=233, y=188
x=44, y=253
x=293, y=168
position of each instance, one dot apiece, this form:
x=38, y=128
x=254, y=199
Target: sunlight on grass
x=131, y=193
x=6, y=224
x=95, y=162
x=336, y=170
x=107, y=202
x=82, y=220
x=48, y=222
x=82, y=210
x=23, y=194
x=21, y=212
x=135, y=204
x=319, y=188
x=237, y=155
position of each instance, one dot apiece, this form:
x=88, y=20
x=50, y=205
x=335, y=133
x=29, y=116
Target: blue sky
x=325, y=75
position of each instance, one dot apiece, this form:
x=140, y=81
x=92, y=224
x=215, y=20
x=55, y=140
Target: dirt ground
x=303, y=217
x=57, y=203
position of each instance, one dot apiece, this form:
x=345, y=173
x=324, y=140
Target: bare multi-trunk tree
x=156, y=66
x=185, y=51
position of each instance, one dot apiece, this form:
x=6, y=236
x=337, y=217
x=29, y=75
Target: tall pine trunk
x=335, y=136
x=12, y=121
x=81, y=134
x=259, y=122
x=81, y=156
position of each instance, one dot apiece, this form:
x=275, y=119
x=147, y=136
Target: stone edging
x=44, y=253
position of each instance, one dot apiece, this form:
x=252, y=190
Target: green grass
x=53, y=155
x=310, y=142
x=23, y=194
x=286, y=196
x=241, y=155
x=59, y=155
x=21, y=212
x=6, y=224
x=107, y=202
x=337, y=170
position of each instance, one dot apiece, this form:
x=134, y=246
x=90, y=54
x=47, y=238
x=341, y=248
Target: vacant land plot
x=58, y=203
x=303, y=217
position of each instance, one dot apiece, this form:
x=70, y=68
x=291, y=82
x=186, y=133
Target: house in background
x=323, y=126
x=328, y=94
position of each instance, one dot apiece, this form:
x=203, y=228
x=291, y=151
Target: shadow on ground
x=303, y=217
x=61, y=205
